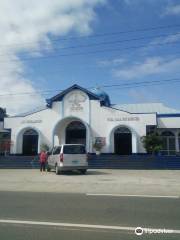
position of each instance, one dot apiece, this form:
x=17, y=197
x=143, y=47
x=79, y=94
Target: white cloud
x=172, y=38
x=26, y=25
x=172, y=10
x=152, y=45
x=150, y=66
x=111, y=62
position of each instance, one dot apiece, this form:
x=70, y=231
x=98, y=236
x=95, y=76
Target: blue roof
x=60, y=96
x=104, y=97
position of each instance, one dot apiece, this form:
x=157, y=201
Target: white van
x=68, y=157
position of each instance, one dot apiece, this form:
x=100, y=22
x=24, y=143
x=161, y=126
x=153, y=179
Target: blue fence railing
x=111, y=161
x=137, y=161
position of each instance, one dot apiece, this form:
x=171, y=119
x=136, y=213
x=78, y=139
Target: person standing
x=43, y=159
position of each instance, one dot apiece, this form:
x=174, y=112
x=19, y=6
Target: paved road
x=82, y=209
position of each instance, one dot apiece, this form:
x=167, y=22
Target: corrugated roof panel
x=31, y=112
x=158, y=108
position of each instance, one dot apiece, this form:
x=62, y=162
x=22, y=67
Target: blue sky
x=114, y=58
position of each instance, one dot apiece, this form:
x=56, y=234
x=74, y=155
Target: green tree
x=97, y=145
x=152, y=143
x=44, y=147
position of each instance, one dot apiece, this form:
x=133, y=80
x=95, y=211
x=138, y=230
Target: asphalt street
x=98, y=212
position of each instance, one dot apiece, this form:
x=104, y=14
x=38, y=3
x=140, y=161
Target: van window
x=74, y=149
x=57, y=150
x=50, y=152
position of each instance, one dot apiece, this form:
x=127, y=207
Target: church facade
x=78, y=115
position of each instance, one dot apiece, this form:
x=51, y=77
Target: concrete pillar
x=134, y=142
x=39, y=143
x=13, y=143
x=88, y=139
x=56, y=140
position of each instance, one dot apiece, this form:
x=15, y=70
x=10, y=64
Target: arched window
x=122, y=130
x=122, y=141
x=167, y=133
x=168, y=143
x=30, y=132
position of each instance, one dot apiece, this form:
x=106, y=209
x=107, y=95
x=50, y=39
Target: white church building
x=78, y=115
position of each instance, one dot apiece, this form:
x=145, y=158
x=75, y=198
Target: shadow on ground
x=77, y=173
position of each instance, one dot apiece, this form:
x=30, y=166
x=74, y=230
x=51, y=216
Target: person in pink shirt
x=43, y=160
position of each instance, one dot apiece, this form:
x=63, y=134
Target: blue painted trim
x=168, y=115
x=60, y=96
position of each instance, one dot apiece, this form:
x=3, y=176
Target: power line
x=142, y=82
x=92, y=52
x=52, y=72
x=116, y=86
x=53, y=39
x=106, y=43
x=147, y=83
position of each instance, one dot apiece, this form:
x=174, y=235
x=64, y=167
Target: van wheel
x=57, y=170
x=83, y=171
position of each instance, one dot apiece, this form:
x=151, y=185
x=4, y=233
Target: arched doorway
x=30, y=142
x=75, y=133
x=122, y=141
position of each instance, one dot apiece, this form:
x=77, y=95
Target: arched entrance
x=75, y=133
x=122, y=141
x=71, y=124
x=30, y=142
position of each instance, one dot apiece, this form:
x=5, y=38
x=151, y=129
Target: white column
x=88, y=139
x=134, y=142
x=14, y=143
x=39, y=142
x=56, y=140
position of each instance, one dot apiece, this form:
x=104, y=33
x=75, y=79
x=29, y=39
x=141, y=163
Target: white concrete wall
x=105, y=120
x=99, y=121
x=75, y=109
x=42, y=121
